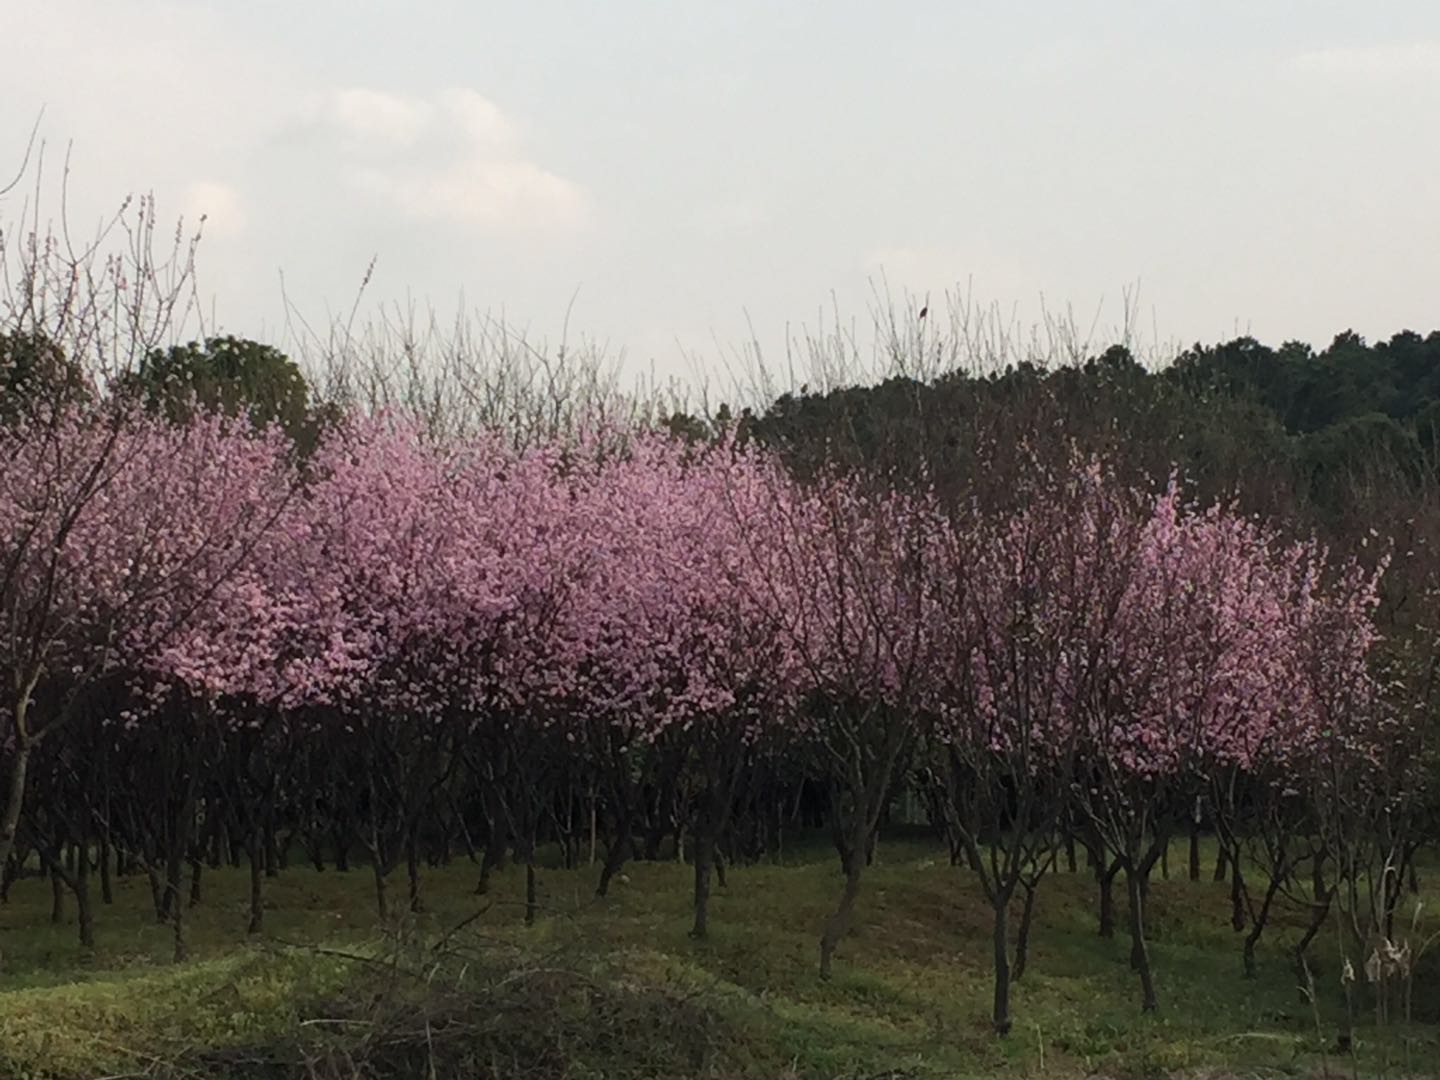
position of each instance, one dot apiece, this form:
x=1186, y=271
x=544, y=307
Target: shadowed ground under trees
x=616, y=988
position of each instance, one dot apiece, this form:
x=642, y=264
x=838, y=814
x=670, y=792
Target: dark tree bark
x=1258, y=926
x=837, y=925
x=721, y=758
x=1237, y=894
x=1106, y=880
x=704, y=860
x=412, y=870
x=616, y=852
x=1140, y=952
x=1000, y=1012
x=57, y=896
x=1022, y=936
x=195, y=866
x=84, y=908
x=532, y=903
x=107, y=888
x=257, y=883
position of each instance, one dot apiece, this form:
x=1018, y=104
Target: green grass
x=615, y=987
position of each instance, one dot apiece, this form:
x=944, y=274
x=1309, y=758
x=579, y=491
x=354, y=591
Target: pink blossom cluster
x=642, y=581
x=1160, y=638
x=122, y=535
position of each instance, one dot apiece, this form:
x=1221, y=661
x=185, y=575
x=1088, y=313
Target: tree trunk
x=182, y=949
x=488, y=861
x=84, y=911
x=704, y=859
x=57, y=896
x=382, y=908
x=80, y=885
x=174, y=874
x=257, y=881
x=1022, y=936
x=157, y=893
x=594, y=829
x=107, y=887
x=412, y=869
x=1139, y=953
x=377, y=858
x=494, y=857
x=1259, y=925
x=1237, y=893
x=184, y=823
x=1107, y=899
x=19, y=768
x=1000, y=1015
x=1391, y=886
x=615, y=855
x=531, y=888
x=1322, y=910
x=272, y=854
x=8, y=873
x=1194, y=850
x=838, y=923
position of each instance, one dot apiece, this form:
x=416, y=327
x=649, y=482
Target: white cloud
x=454, y=157
x=370, y=116
x=478, y=117
x=219, y=204
x=1372, y=62
x=487, y=194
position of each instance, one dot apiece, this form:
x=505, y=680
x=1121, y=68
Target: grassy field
x=615, y=988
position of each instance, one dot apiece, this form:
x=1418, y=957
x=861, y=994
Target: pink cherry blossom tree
x=848, y=571
x=1031, y=597
x=661, y=657
x=119, y=532
x=415, y=562
x=1196, y=674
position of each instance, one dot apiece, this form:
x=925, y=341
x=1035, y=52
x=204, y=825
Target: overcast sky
x=687, y=169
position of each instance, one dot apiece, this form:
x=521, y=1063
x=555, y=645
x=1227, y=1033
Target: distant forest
x=1339, y=441
x=1333, y=441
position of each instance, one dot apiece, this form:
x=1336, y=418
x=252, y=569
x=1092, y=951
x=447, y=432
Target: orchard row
x=401, y=650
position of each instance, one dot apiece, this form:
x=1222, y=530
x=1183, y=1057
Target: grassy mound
x=615, y=988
